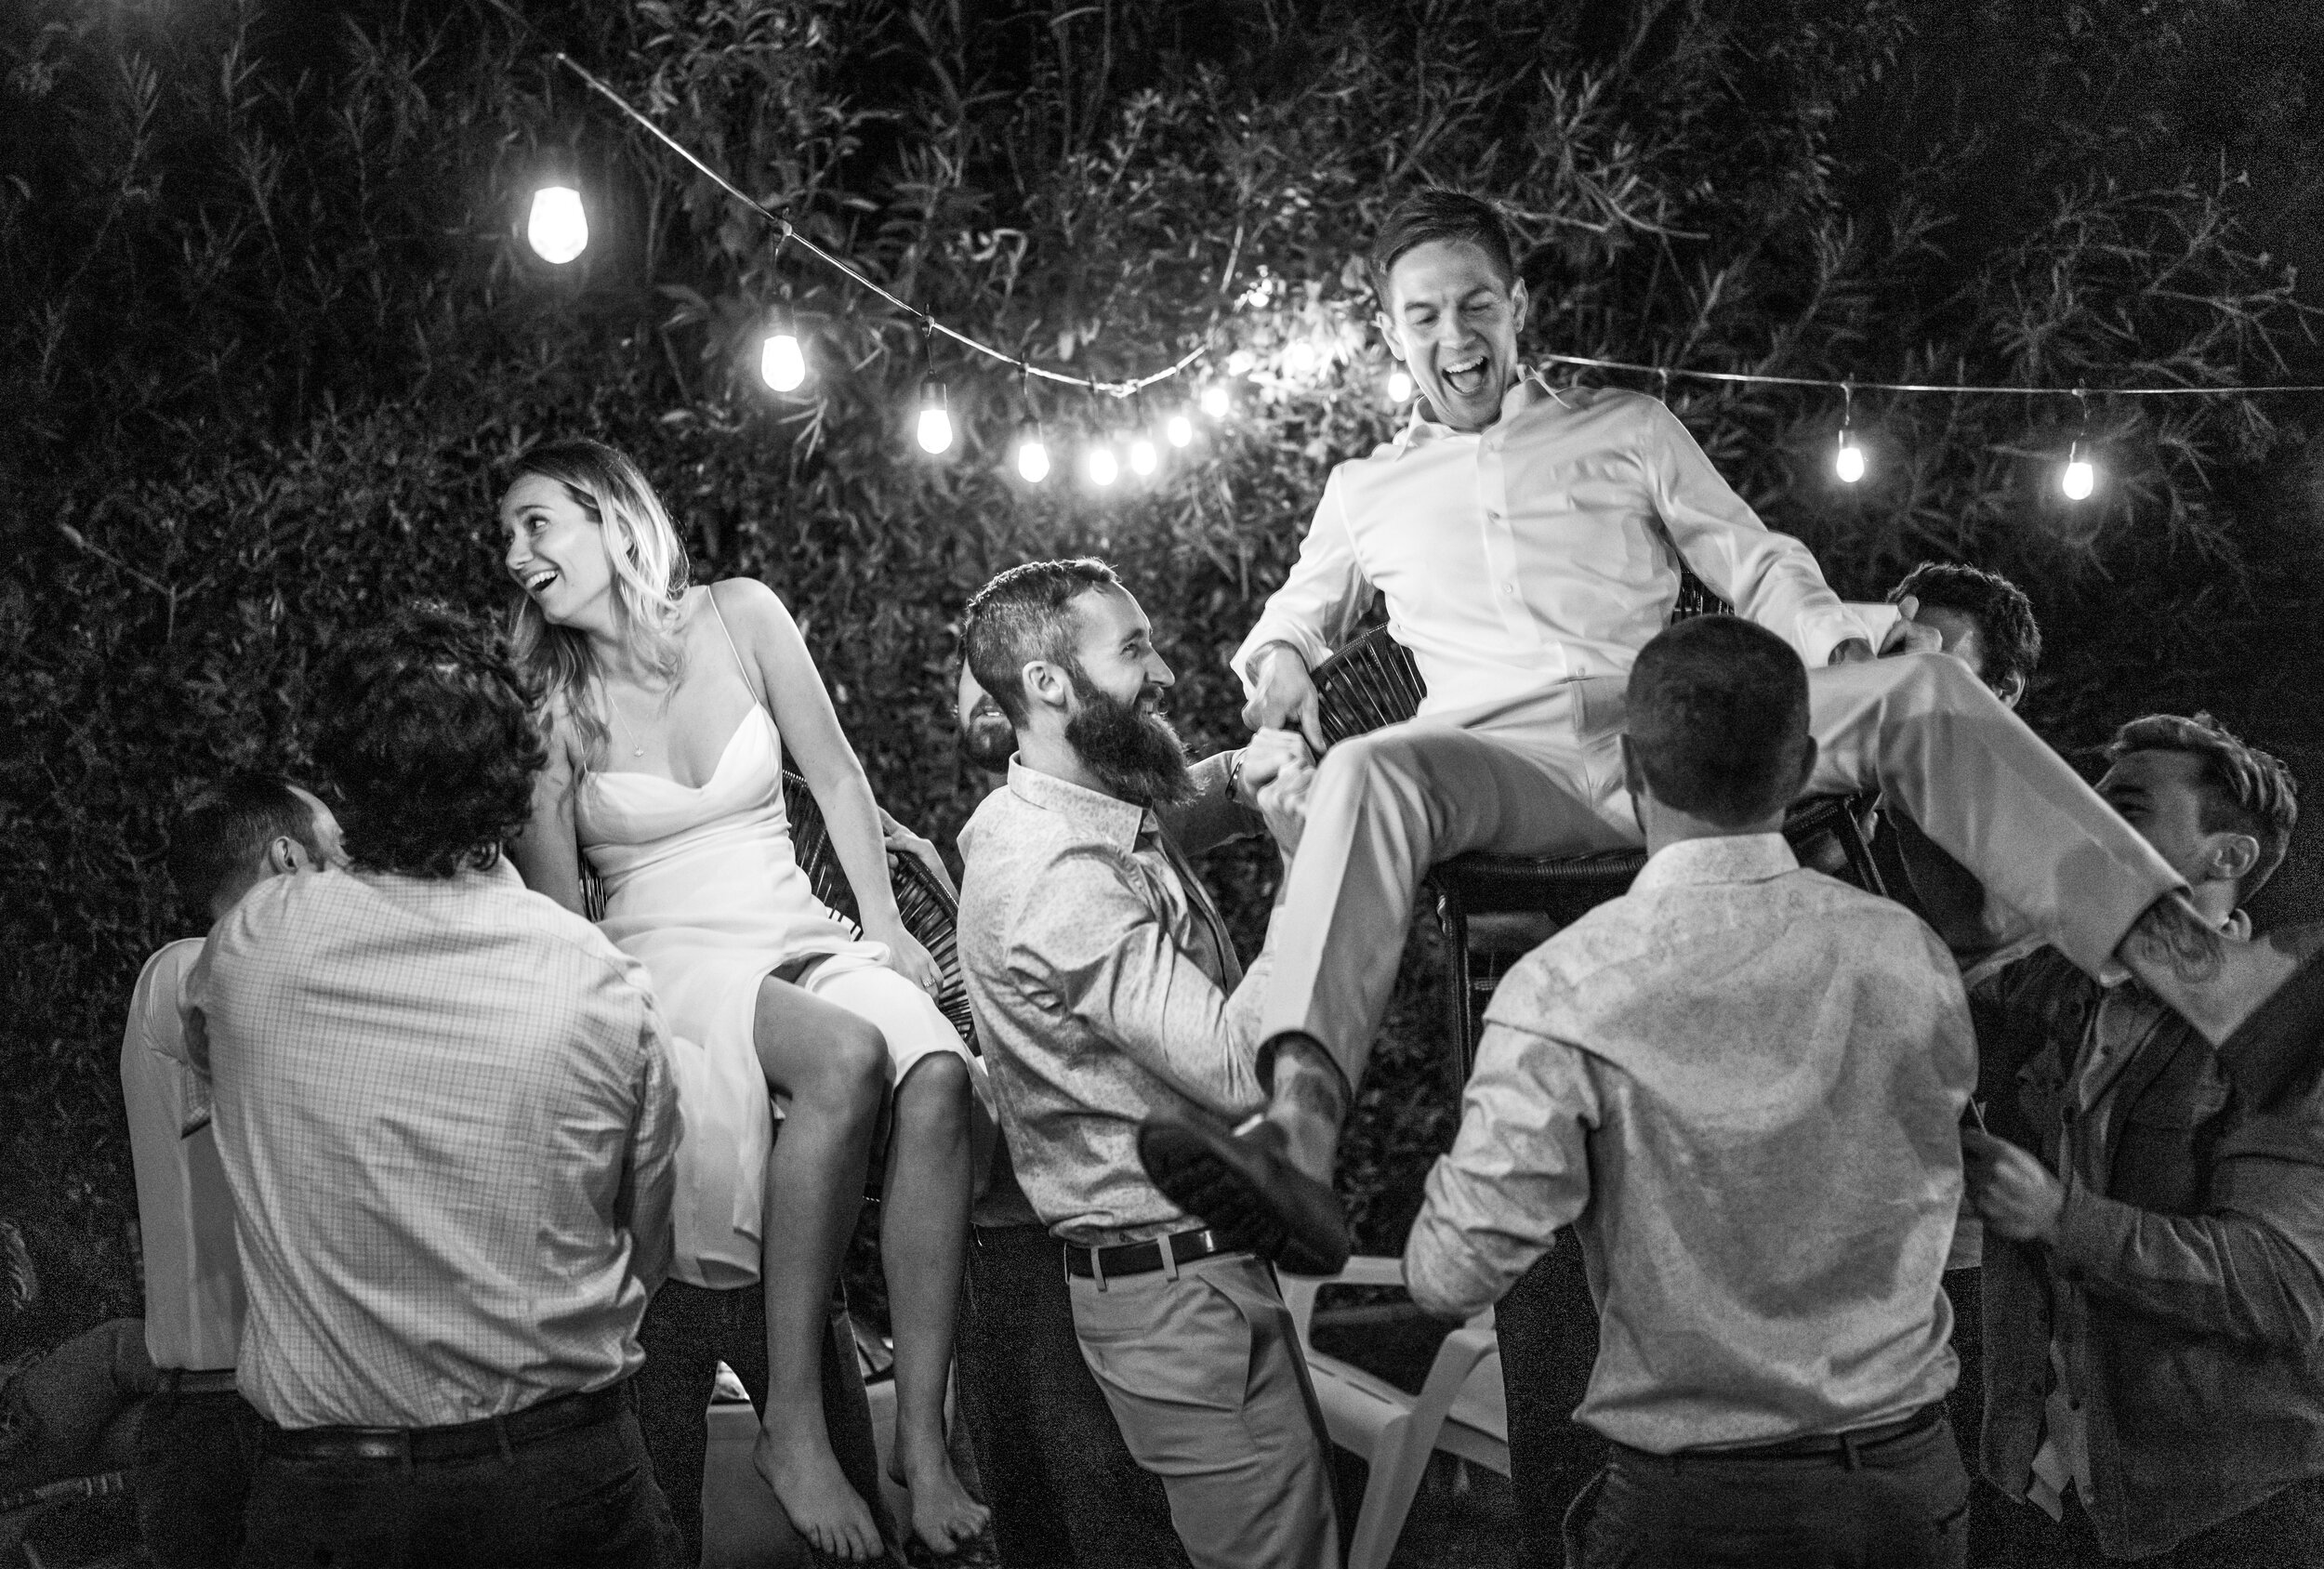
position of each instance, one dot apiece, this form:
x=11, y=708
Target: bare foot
x=814, y=1490
x=944, y=1515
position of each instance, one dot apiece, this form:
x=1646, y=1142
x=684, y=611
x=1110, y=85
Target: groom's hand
x=1285, y=695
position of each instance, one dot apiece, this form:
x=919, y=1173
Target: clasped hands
x=1274, y=775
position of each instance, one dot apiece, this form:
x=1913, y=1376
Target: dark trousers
x=688, y=1331
x=582, y=1499
x=1900, y=1503
x=195, y=1453
x=2286, y=1531
x=1548, y=1327
x=1061, y=1482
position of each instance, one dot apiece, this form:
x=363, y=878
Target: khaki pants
x=1542, y=775
x=1202, y=1369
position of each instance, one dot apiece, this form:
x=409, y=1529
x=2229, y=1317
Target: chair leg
x=1859, y=854
x=1396, y=1466
x=1460, y=1046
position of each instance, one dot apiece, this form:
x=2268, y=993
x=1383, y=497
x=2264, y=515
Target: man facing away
x=444, y=1111
x=1527, y=542
x=194, y=1441
x=1741, y=1084
x=2153, y=1273
x=1108, y=990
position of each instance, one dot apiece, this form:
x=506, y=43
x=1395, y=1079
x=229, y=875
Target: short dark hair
x=427, y=729
x=1436, y=214
x=1718, y=717
x=2003, y=614
x=2244, y=789
x=221, y=835
x=1020, y=616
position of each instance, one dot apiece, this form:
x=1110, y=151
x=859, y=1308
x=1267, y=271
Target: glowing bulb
x=1399, y=385
x=782, y=363
x=1299, y=359
x=935, y=430
x=1104, y=469
x=1850, y=463
x=1214, y=401
x=1033, y=460
x=2080, y=480
x=557, y=229
x=1181, y=430
x=1142, y=457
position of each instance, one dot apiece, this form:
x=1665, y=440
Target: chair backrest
x=927, y=907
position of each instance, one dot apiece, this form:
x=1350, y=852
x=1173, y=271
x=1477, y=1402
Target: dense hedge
x=275, y=339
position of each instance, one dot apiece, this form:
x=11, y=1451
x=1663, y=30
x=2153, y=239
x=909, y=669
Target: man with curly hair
x=446, y=1115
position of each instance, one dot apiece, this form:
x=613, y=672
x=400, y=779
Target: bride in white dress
x=670, y=707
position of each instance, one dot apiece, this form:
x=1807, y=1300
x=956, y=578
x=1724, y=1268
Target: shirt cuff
x=1444, y=1276
x=1821, y=631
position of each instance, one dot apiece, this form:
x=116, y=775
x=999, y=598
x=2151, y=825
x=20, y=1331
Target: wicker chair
x=1493, y=909
x=926, y=905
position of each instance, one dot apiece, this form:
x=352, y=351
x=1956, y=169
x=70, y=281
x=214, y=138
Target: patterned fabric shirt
x=194, y=1301
x=1742, y=1083
x=1544, y=548
x=1108, y=989
x=445, y=1112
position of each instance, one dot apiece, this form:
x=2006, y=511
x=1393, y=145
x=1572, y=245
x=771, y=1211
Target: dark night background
x=271, y=332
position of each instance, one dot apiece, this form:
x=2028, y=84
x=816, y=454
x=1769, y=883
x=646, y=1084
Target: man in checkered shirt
x=445, y=1117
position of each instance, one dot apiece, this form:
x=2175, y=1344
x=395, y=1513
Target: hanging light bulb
x=1849, y=464
x=558, y=229
x=2080, y=478
x=1181, y=430
x=1143, y=459
x=1215, y=402
x=1299, y=358
x=1104, y=467
x=935, y=425
x=1399, y=384
x=781, y=363
x=1033, y=455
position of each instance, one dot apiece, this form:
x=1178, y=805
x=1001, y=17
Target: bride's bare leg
x=924, y=1229
x=833, y=1066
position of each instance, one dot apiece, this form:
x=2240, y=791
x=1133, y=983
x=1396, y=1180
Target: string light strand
x=792, y=235
x=1666, y=372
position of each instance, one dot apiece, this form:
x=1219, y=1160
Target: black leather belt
x=1140, y=1258
x=1823, y=1444
x=459, y=1441
x=201, y=1381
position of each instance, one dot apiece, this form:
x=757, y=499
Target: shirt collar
x=1529, y=391
x=1117, y=822
x=1734, y=858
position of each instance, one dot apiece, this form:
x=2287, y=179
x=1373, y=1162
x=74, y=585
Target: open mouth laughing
x=1466, y=378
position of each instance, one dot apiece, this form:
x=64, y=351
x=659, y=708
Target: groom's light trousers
x=1542, y=775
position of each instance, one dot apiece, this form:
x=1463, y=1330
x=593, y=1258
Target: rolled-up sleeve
x=1518, y=1171
x=1770, y=578
x=1112, y=965
x=650, y=1175
x=1323, y=598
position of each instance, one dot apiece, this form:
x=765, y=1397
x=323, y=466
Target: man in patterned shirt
x=1108, y=991
x=446, y=1119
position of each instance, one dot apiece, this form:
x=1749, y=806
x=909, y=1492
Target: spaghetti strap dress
x=702, y=888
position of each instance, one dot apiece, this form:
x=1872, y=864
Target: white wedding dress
x=702, y=887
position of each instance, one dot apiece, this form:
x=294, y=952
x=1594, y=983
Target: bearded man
x=1103, y=979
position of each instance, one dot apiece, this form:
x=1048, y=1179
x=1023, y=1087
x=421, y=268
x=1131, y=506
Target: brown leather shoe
x=1244, y=1190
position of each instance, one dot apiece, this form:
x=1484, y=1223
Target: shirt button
x=1509, y=590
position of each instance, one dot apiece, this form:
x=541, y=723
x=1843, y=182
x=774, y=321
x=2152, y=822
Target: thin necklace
x=614, y=709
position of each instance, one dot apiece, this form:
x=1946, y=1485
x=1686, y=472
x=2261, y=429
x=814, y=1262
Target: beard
x=1137, y=755
x=988, y=740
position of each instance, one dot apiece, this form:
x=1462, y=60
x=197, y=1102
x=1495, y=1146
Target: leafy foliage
x=276, y=335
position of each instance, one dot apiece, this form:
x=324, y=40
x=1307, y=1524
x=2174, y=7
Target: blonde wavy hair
x=651, y=572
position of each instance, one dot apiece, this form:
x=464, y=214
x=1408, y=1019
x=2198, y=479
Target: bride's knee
x=934, y=1094
x=851, y=1068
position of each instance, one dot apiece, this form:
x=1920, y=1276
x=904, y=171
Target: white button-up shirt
x=193, y=1301
x=1741, y=1084
x=1541, y=549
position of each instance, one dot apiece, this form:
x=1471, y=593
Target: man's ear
x=1388, y=334
x=1046, y=684
x=1807, y=767
x=1519, y=303
x=1633, y=771
x=286, y=854
x=2009, y=691
x=2233, y=856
